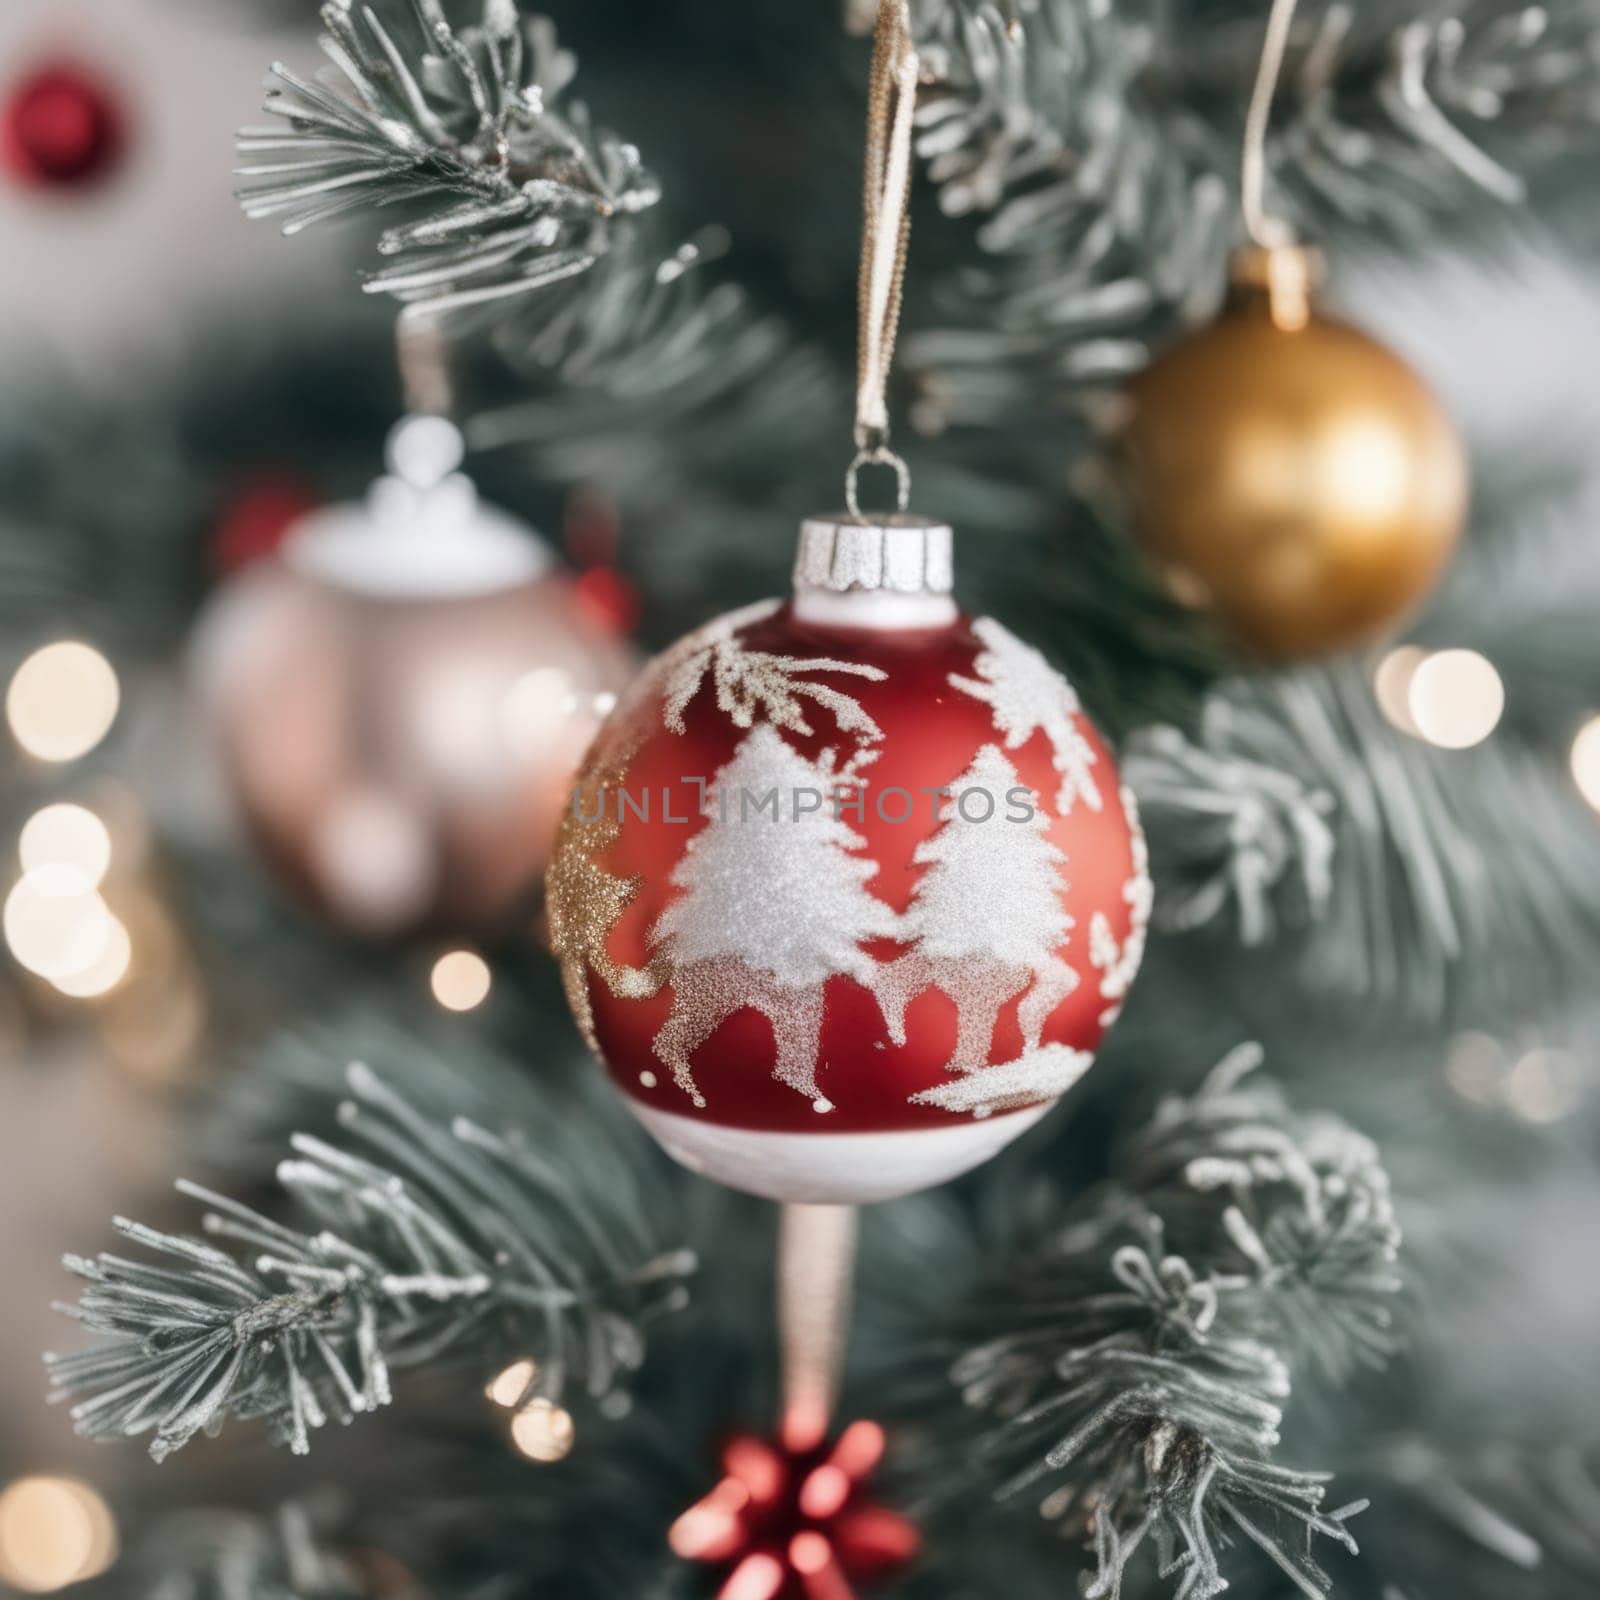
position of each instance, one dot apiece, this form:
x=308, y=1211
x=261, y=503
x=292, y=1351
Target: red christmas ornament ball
x=61, y=127
x=849, y=890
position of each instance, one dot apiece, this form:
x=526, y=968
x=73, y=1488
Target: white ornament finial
x=424, y=451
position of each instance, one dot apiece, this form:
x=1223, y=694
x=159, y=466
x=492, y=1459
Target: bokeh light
x=1476, y=1068
x=1392, y=684
x=56, y=924
x=1586, y=761
x=508, y=1387
x=62, y=701
x=105, y=972
x=53, y=1532
x=461, y=980
x=543, y=1431
x=1456, y=699
x=66, y=836
x=1545, y=1086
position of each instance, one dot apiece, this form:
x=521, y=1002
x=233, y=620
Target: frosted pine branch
x=1484, y=1518
x=516, y=190
x=1414, y=872
x=1307, y=1220
x=234, y=1556
x=1237, y=831
x=1098, y=148
x=634, y=364
x=1153, y=1340
x=1042, y=114
x=434, y=1244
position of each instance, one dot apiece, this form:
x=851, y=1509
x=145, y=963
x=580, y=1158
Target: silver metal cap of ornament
x=875, y=572
x=422, y=531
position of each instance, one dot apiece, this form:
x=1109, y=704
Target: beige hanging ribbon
x=1265, y=230
x=423, y=354
x=891, y=105
x=816, y=1270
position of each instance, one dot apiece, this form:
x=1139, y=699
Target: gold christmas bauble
x=400, y=701
x=1289, y=473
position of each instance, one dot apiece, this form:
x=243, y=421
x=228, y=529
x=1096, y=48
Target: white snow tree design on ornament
x=773, y=906
x=750, y=681
x=986, y=919
x=1028, y=696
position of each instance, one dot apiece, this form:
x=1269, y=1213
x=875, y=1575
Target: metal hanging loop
x=882, y=456
x=886, y=235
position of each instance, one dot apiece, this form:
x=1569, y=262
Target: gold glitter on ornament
x=586, y=902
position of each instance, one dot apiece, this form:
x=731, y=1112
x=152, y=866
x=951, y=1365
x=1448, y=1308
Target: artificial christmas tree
x=1173, y=1339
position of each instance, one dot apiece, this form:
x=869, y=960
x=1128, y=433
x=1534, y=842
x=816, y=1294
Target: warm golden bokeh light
x=1392, y=684
x=543, y=1431
x=104, y=974
x=56, y=924
x=66, y=836
x=53, y=1532
x=1586, y=761
x=1456, y=699
x=508, y=1387
x=62, y=701
x=461, y=980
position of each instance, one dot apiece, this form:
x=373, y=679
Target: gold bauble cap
x=1283, y=280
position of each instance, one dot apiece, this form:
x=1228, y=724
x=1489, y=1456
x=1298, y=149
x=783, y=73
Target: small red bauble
x=797, y=1525
x=60, y=127
x=257, y=517
x=850, y=890
x=608, y=600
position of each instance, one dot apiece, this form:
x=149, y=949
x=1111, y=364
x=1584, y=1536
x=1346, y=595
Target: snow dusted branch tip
x=1235, y=829
x=456, y=1243
x=1153, y=1342
x=514, y=190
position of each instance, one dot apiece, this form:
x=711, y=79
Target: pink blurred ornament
x=401, y=697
